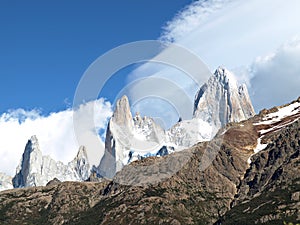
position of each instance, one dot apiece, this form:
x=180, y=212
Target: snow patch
x=259, y=147
x=277, y=127
x=289, y=110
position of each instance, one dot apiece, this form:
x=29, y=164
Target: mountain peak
x=81, y=164
x=128, y=138
x=221, y=101
x=81, y=153
x=225, y=77
x=33, y=144
x=5, y=182
x=33, y=139
x=36, y=169
x=122, y=115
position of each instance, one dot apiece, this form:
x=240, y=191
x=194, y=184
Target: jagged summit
x=225, y=76
x=126, y=138
x=37, y=170
x=27, y=173
x=122, y=115
x=221, y=100
x=33, y=141
x=129, y=138
x=81, y=154
x=81, y=164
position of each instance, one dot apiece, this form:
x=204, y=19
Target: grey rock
x=129, y=138
x=37, y=170
x=221, y=100
x=5, y=182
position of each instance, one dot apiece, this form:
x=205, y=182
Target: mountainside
x=129, y=138
x=248, y=174
x=37, y=170
x=270, y=190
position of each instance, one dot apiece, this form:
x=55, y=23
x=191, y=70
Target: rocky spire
x=126, y=135
x=221, y=100
x=37, y=170
x=116, y=142
x=122, y=115
x=81, y=164
x=30, y=165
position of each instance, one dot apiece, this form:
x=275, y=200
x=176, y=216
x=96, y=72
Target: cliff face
x=128, y=138
x=37, y=170
x=249, y=173
x=221, y=100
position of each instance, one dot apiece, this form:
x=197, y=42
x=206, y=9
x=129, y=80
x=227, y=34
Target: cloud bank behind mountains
x=275, y=78
x=55, y=133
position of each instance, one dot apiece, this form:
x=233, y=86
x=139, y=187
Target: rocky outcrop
x=55, y=203
x=268, y=192
x=80, y=164
x=5, y=182
x=37, y=170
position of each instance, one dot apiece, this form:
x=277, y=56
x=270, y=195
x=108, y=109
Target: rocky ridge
x=211, y=183
x=37, y=170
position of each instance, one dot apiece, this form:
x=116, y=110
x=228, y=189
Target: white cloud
x=232, y=33
x=235, y=33
x=55, y=133
x=190, y=18
x=276, y=77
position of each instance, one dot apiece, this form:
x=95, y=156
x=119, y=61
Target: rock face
x=5, y=182
x=221, y=100
x=269, y=191
x=37, y=170
x=80, y=164
x=129, y=138
x=173, y=189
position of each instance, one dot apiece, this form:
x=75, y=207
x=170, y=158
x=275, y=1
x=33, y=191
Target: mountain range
x=128, y=138
x=218, y=102
x=35, y=169
x=226, y=165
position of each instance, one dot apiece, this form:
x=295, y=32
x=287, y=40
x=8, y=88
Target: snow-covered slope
x=273, y=120
x=129, y=138
x=37, y=170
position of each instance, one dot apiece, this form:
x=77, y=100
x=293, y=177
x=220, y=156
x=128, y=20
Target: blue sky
x=47, y=46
